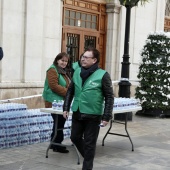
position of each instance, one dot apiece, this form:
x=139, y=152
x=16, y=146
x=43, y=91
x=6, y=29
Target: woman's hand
x=65, y=114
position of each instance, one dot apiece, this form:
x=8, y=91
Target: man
x=1, y=53
x=90, y=87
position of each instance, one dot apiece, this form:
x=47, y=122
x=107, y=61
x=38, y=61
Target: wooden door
x=167, y=24
x=84, y=25
x=75, y=42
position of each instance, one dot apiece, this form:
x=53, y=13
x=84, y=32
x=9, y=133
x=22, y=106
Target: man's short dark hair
x=96, y=53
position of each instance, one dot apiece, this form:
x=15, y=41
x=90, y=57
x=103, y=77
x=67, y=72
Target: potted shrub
x=154, y=75
x=132, y=2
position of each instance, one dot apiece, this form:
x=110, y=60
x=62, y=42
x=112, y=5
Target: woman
x=55, y=88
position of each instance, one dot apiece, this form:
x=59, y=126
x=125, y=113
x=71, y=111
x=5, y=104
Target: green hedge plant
x=154, y=72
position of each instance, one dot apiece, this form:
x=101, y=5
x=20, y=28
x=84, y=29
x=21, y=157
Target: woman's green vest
x=75, y=65
x=89, y=97
x=48, y=94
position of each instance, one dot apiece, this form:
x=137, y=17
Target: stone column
x=112, y=9
x=160, y=15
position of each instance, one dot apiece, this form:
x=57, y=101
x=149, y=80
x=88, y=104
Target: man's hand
x=65, y=114
x=104, y=123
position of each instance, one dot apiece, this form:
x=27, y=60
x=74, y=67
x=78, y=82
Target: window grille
x=73, y=46
x=89, y=41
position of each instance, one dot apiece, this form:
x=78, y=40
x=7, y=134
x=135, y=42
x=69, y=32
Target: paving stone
x=150, y=136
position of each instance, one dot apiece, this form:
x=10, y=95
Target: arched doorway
x=84, y=25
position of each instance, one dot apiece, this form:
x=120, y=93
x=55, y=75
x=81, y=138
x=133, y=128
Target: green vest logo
x=91, y=83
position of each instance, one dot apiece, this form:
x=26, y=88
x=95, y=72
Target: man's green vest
x=48, y=94
x=89, y=97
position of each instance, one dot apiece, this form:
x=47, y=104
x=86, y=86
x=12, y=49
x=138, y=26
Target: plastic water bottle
x=60, y=104
x=54, y=105
x=2, y=137
x=67, y=125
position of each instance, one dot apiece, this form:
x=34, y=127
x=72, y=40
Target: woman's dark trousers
x=60, y=125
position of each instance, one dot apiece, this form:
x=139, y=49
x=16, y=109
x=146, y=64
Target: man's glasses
x=85, y=57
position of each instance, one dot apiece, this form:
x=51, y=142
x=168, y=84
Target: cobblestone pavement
x=150, y=136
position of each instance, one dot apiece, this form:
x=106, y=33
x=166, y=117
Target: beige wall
x=30, y=34
x=144, y=19
x=15, y=95
x=31, y=38
x=152, y=19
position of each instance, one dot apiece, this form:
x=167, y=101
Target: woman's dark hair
x=96, y=53
x=60, y=56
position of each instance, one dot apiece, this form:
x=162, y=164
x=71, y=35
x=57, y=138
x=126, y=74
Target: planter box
x=154, y=112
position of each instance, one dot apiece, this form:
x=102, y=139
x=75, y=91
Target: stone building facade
x=31, y=34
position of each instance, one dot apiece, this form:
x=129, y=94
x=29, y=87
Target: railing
x=117, y=81
x=19, y=98
x=39, y=95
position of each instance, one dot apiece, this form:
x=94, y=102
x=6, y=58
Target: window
x=80, y=19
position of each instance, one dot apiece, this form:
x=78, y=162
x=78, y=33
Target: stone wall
x=21, y=91
x=31, y=35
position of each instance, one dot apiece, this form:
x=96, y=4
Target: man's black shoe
x=55, y=147
x=61, y=150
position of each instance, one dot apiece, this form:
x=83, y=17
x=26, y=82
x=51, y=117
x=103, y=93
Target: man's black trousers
x=84, y=135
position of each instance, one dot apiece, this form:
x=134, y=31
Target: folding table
x=126, y=112
x=58, y=112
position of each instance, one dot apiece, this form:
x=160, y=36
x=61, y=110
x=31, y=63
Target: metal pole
x=124, y=84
